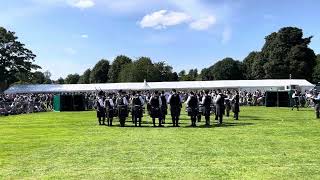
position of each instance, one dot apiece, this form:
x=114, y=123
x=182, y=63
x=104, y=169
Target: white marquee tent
x=270, y=84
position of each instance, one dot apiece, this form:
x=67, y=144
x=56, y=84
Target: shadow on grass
x=169, y=125
x=251, y=117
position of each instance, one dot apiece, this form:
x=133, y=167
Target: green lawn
x=267, y=143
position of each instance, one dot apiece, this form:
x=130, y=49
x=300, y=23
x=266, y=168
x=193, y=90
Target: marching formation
x=157, y=104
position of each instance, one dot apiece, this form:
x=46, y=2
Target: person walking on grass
x=100, y=108
x=219, y=107
x=316, y=100
x=295, y=97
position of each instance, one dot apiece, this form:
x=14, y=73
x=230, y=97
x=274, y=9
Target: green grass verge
x=267, y=143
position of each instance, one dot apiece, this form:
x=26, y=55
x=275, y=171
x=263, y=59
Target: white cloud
x=82, y=4
x=85, y=36
x=203, y=23
x=163, y=18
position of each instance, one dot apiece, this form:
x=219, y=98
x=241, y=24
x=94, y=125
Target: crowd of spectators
x=12, y=104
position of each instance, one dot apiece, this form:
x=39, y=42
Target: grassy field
x=267, y=143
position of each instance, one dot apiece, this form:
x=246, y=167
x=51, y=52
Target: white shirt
x=189, y=98
x=218, y=98
x=101, y=103
x=141, y=99
x=124, y=100
x=110, y=102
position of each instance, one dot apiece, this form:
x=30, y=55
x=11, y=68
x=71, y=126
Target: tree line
x=285, y=53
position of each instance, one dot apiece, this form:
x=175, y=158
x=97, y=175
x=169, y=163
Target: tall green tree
x=85, y=77
x=38, y=78
x=139, y=70
x=206, y=74
x=316, y=71
x=182, y=75
x=116, y=67
x=72, y=79
x=99, y=73
x=60, y=80
x=47, y=75
x=15, y=59
x=286, y=52
x=165, y=71
x=227, y=69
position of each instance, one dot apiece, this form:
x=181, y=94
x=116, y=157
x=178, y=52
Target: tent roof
x=41, y=88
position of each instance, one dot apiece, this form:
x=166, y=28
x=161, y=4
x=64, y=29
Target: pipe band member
x=219, y=107
x=109, y=104
x=122, y=106
x=137, y=111
x=206, y=103
x=155, y=108
x=164, y=107
x=100, y=108
x=175, y=107
x=192, y=108
x=236, y=105
x=317, y=105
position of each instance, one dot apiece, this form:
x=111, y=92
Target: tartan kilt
x=220, y=110
x=115, y=112
x=206, y=111
x=123, y=111
x=101, y=113
x=235, y=108
x=137, y=111
x=175, y=111
x=110, y=113
x=164, y=110
x=200, y=110
x=192, y=111
x=149, y=109
x=155, y=112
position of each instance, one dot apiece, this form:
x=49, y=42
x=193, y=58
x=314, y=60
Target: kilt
x=155, y=112
x=206, y=111
x=317, y=107
x=200, y=110
x=164, y=110
x=122, y=111
x=192, y=111
x=137, y=111
x=149, y=108
x=235, y=108
x=101, y=113
x=110, y=113
x=220, y=110
x=175, y=111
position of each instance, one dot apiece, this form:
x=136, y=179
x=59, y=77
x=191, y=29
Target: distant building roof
x=56, y=88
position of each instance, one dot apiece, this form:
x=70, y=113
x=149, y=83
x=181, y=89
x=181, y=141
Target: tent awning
x=56, y=88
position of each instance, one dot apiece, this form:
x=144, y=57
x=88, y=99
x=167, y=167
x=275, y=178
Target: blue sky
x=69, y=36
